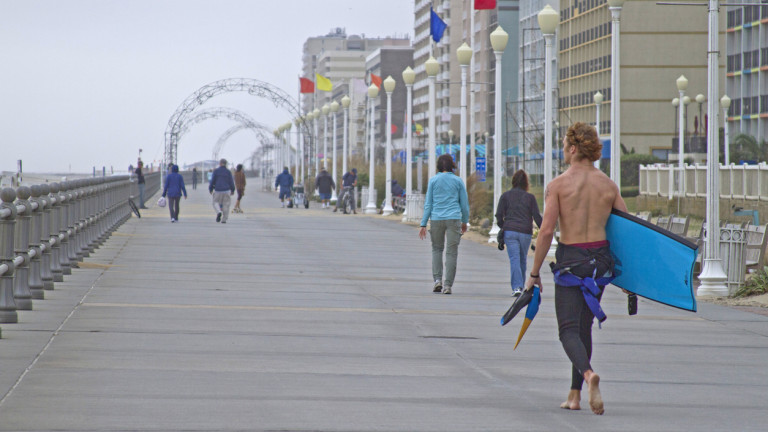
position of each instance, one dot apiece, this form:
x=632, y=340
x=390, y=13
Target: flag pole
x=471, y=90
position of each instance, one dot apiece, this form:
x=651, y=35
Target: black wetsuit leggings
x=574, y=319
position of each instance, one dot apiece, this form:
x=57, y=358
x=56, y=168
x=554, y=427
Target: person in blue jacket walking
x=285, y=181
x=174, y=187
x=222, y=187
x=447, y=206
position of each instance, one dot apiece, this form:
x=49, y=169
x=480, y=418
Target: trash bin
x=733, y=240
x=414, y=204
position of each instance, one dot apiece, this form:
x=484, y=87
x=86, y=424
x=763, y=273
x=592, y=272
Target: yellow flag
x=323, y=83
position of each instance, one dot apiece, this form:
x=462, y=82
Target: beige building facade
x=658, y=44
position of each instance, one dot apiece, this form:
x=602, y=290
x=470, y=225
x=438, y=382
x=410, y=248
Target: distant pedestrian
x=142, y=184
x=174, y=187
x=239, y=187
x=348, y=183
x=222, y=186
x=195, y=178
x=325, y=185
x=515, y=214
x=447, y=207
x=285, y=182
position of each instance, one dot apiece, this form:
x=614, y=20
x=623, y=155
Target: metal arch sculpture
x=254, y=87
x=259, y=130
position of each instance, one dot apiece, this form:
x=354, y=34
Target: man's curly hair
x=585, y=138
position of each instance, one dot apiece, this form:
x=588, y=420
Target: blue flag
x=436, y=25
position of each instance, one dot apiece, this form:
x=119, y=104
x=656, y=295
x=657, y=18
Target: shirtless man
x=581, y=200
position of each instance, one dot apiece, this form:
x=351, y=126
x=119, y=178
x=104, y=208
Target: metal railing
x=46, y=229
x=747, y=182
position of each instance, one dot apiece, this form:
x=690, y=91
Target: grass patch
x=757, y=284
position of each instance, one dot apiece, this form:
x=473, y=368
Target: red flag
x=307, y=86
x=375, y=79
x=485, y=4
x=394, y=129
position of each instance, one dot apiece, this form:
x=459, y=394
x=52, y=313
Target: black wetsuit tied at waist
x=587, y=266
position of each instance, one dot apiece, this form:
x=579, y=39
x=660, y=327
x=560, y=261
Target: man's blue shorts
x=286, y=194
x=325, y=196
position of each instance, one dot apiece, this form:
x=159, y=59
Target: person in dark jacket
x=348, y=183
x=515, y=214
x=325, y=185
x=174, y=187
x=285, y=182
x=142, y=184
x=195, y=178
x=222, y=187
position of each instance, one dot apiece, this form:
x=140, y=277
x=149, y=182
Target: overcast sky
x=88, y=83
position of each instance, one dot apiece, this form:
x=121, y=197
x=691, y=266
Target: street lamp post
x=408, y=77
x=334, y=109
x=615, y=7
x=548, y=22
x=325, y=110
x=345, y=101
x=389, y=87
x=316, y=118
x=682, y=85
x=598, y=98
x=432, y=67
x=499, y=40
x=464, y=54
x=725, y=103
x=299, y=148
x=712, y=275
x=287, y=129
x=373, y=92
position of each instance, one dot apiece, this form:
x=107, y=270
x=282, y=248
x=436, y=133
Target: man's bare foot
x=595, y=399
x=573, y=402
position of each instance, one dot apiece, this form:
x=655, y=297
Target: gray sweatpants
x=445, y=235
x=221, y=201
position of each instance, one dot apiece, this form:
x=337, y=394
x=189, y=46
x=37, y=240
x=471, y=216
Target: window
x=764, y=57
x=764, y=104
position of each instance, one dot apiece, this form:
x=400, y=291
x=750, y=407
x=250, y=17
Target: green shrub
x=755, y=285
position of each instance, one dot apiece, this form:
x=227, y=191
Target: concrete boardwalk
x=306, y=320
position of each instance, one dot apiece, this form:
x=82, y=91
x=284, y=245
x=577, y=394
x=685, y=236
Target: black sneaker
x=218, y=217
x=438, y=287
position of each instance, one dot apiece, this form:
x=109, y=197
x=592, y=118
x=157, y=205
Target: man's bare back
x=585, y=196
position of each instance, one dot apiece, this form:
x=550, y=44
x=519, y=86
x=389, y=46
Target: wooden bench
x=755, y=247
x=646, y=216
x=679, y=225
x=664, y=221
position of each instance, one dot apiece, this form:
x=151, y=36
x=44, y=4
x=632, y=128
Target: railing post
x=46, y=245
x=58, y=248
x=21, y=294
x=64, y=203
x=7, y=304
x=36, y=226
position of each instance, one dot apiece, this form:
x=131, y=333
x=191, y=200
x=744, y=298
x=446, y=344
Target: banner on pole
x=480, y=168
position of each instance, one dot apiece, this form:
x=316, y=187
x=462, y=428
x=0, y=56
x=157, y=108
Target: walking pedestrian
x=174, y=187
x=348, y=183
x=141, y=183
x=515, y=213
x=581, y=200
x=222, y=187
x=285, y=182
x=325, y=184
x=195, y=178
x=447, y=207
x=239, y=187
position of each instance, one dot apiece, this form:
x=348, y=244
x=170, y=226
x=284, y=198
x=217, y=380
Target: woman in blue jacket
x=174, y=186
x=446, y=207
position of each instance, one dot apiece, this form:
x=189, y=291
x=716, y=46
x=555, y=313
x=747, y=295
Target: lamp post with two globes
x=725, y=103
x=598, y=98
x=682, y=85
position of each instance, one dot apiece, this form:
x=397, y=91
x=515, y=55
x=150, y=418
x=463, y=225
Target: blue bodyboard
x=651, y=261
